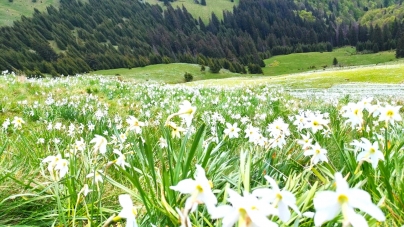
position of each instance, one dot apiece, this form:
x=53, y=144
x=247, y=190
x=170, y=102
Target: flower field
x=101, y=151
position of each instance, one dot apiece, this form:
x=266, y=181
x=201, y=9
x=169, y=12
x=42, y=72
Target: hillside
x=202, y=11
x=11, y=10
x=86, y=36
x=346, y=10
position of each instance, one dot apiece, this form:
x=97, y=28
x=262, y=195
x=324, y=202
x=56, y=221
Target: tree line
x=102, y=34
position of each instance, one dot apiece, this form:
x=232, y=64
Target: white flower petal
x=342, y=185
x=322, y=216
x=361, y=199
x=230, y=219
x=273, y=183
x=221, y=211
x=125, y=201
x=186, y=186
x=355, y=219
x=284, y=213
x=260, y=220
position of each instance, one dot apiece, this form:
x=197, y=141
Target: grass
x=392, y=74
x=301, y=62
x=287, y=70
x=168, y=73
x=204, y=12
x=31, y=194
x=11, y=11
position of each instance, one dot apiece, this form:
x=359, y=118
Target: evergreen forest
x=81, y=36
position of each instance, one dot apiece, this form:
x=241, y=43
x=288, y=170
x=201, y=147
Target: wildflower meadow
x=98, y=151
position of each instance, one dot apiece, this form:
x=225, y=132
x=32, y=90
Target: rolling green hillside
x=275, y=66
x=302, y=62
x=10, y=11
x=204, y=12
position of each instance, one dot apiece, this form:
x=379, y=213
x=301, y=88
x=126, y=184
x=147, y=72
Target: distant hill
x=346, y=11
x=103, y=34
x=11, y=10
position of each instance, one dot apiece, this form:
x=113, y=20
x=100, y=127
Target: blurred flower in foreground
x=128, y=210
x=281, y=200
x=199, y=189
x=247, y=210
x=328, y=204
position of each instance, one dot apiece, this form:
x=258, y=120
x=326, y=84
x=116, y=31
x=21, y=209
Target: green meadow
x=287, y=70
x=204, y=12
x=302, y=62
x=168, y=73
x=11, y=11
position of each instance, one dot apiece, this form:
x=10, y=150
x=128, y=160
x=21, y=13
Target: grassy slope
x=389, y=73
x=287, y=64
x=295, y=63
x=169, y=73
x=10, y=11
x=204, y=12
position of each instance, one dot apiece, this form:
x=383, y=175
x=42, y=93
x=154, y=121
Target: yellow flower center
x=315, y=123
x=317, y=151
x=390, y=113
x=134, y=212
x=199, y=188
x=356, y=112
x=342, y=199
x=372, y=150
x=279, y=196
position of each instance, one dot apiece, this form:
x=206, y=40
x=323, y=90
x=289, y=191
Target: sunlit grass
x=302, y=62
x=390, y=74
x=11, y=11
x=204, y=12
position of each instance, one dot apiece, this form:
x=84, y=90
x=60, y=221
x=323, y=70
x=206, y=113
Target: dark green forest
x=107, y=34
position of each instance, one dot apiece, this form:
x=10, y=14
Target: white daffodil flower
x=134, y=124
x=281, y=200
x=128, y=210
x=329, y=204
x=232, y=130
x=200, y=190
x=100, y=144
x=187, y=112
x=63, y=166
x=17, y=122
x=370, y=153
x=318, y=154
x=247, y=210
x=390, y=114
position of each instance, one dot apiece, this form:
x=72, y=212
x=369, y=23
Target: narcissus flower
x=370, y=152
x=128, y=210
x=281, y=200
x=389, y=114
x=17, y=122
x=200, y=190
x=247, y=210
x=100, y=144
x=329, y=204
x=318, y=154
x=232, y=130
x=187, y=112
x=134, y=124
